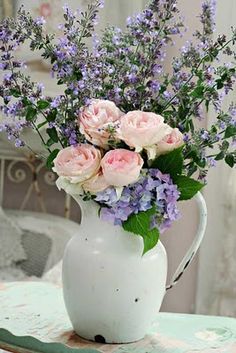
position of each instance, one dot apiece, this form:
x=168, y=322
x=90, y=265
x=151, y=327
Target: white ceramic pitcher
x=113, y=293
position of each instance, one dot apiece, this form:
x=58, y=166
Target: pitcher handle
x=196, y=243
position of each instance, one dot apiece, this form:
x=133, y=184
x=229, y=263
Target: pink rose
x=95, y=120
x=170, y=142
x=142, y=129
x=95, y=184
x=121, y=167
x=77, y=163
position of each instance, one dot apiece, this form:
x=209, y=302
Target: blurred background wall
x=216, y=290
x=209, y=285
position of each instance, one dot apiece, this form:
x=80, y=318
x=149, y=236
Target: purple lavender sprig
x=125, y=67
x=134, y=58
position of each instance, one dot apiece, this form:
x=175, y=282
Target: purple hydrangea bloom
x=153, y=189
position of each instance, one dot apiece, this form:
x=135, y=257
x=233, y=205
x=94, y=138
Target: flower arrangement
x=123, y=132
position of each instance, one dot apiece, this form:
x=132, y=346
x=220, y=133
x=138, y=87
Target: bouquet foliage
x=124, y=132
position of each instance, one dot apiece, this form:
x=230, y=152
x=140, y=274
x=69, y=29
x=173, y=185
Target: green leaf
x=207, y=104
x=182, y=112
x=192, y=169
x=50, y=142
x=51, y=116
x=42, y=104
x=41, y=124
x=201, y=162
x=220, y=83
x=26, y=101
x=214, y=129
x=220, y=156
x=230, y=131
x=139, y=224
x=188, y=187
x=51, y=158
x=30, y=113
x=52, y=133
x=171, y=163
x=15, y=92
x=193, y=152
x=225, y=145
x=198, y=92
x=229, y=159
x=60, y=82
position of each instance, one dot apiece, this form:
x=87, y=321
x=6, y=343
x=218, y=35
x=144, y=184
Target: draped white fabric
x=217, y=265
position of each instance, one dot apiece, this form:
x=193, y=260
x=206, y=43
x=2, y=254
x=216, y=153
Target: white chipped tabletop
x=33, y=319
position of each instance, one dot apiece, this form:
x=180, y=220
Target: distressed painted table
x=33, y=319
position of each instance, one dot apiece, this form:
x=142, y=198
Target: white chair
x=31, y=243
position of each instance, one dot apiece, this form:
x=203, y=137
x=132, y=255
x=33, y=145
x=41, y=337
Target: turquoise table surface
x=33, y=319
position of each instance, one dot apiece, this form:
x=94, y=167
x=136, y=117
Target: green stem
x=212, y=155
x=41, y=137
x=85, y=26
x=193, y=74
x=150, y=59
x=19, y=87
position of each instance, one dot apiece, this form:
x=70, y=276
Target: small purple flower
x=61, y=26
x=222, y=125
x=101, y=4
x=56, y=102
x=157, y=69
x=233, y=144
x=7, y=77
x=211, y=162
x=232, y=111
x=185, y=48
x=40, y=21
x=67, y=10
x=186, y=138
x=154, y=86
x=4, y=66
x=19, y=143
x=73, y=139
x=129, y=21
x=132, y=78
x=116, y=40
x=167, y=94
x=40, y=87
x=205, y=135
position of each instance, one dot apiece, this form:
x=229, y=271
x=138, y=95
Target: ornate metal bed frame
x=16, y=166
x=33, y=242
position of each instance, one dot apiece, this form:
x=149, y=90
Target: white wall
x=219, y=195
x=182, y=297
